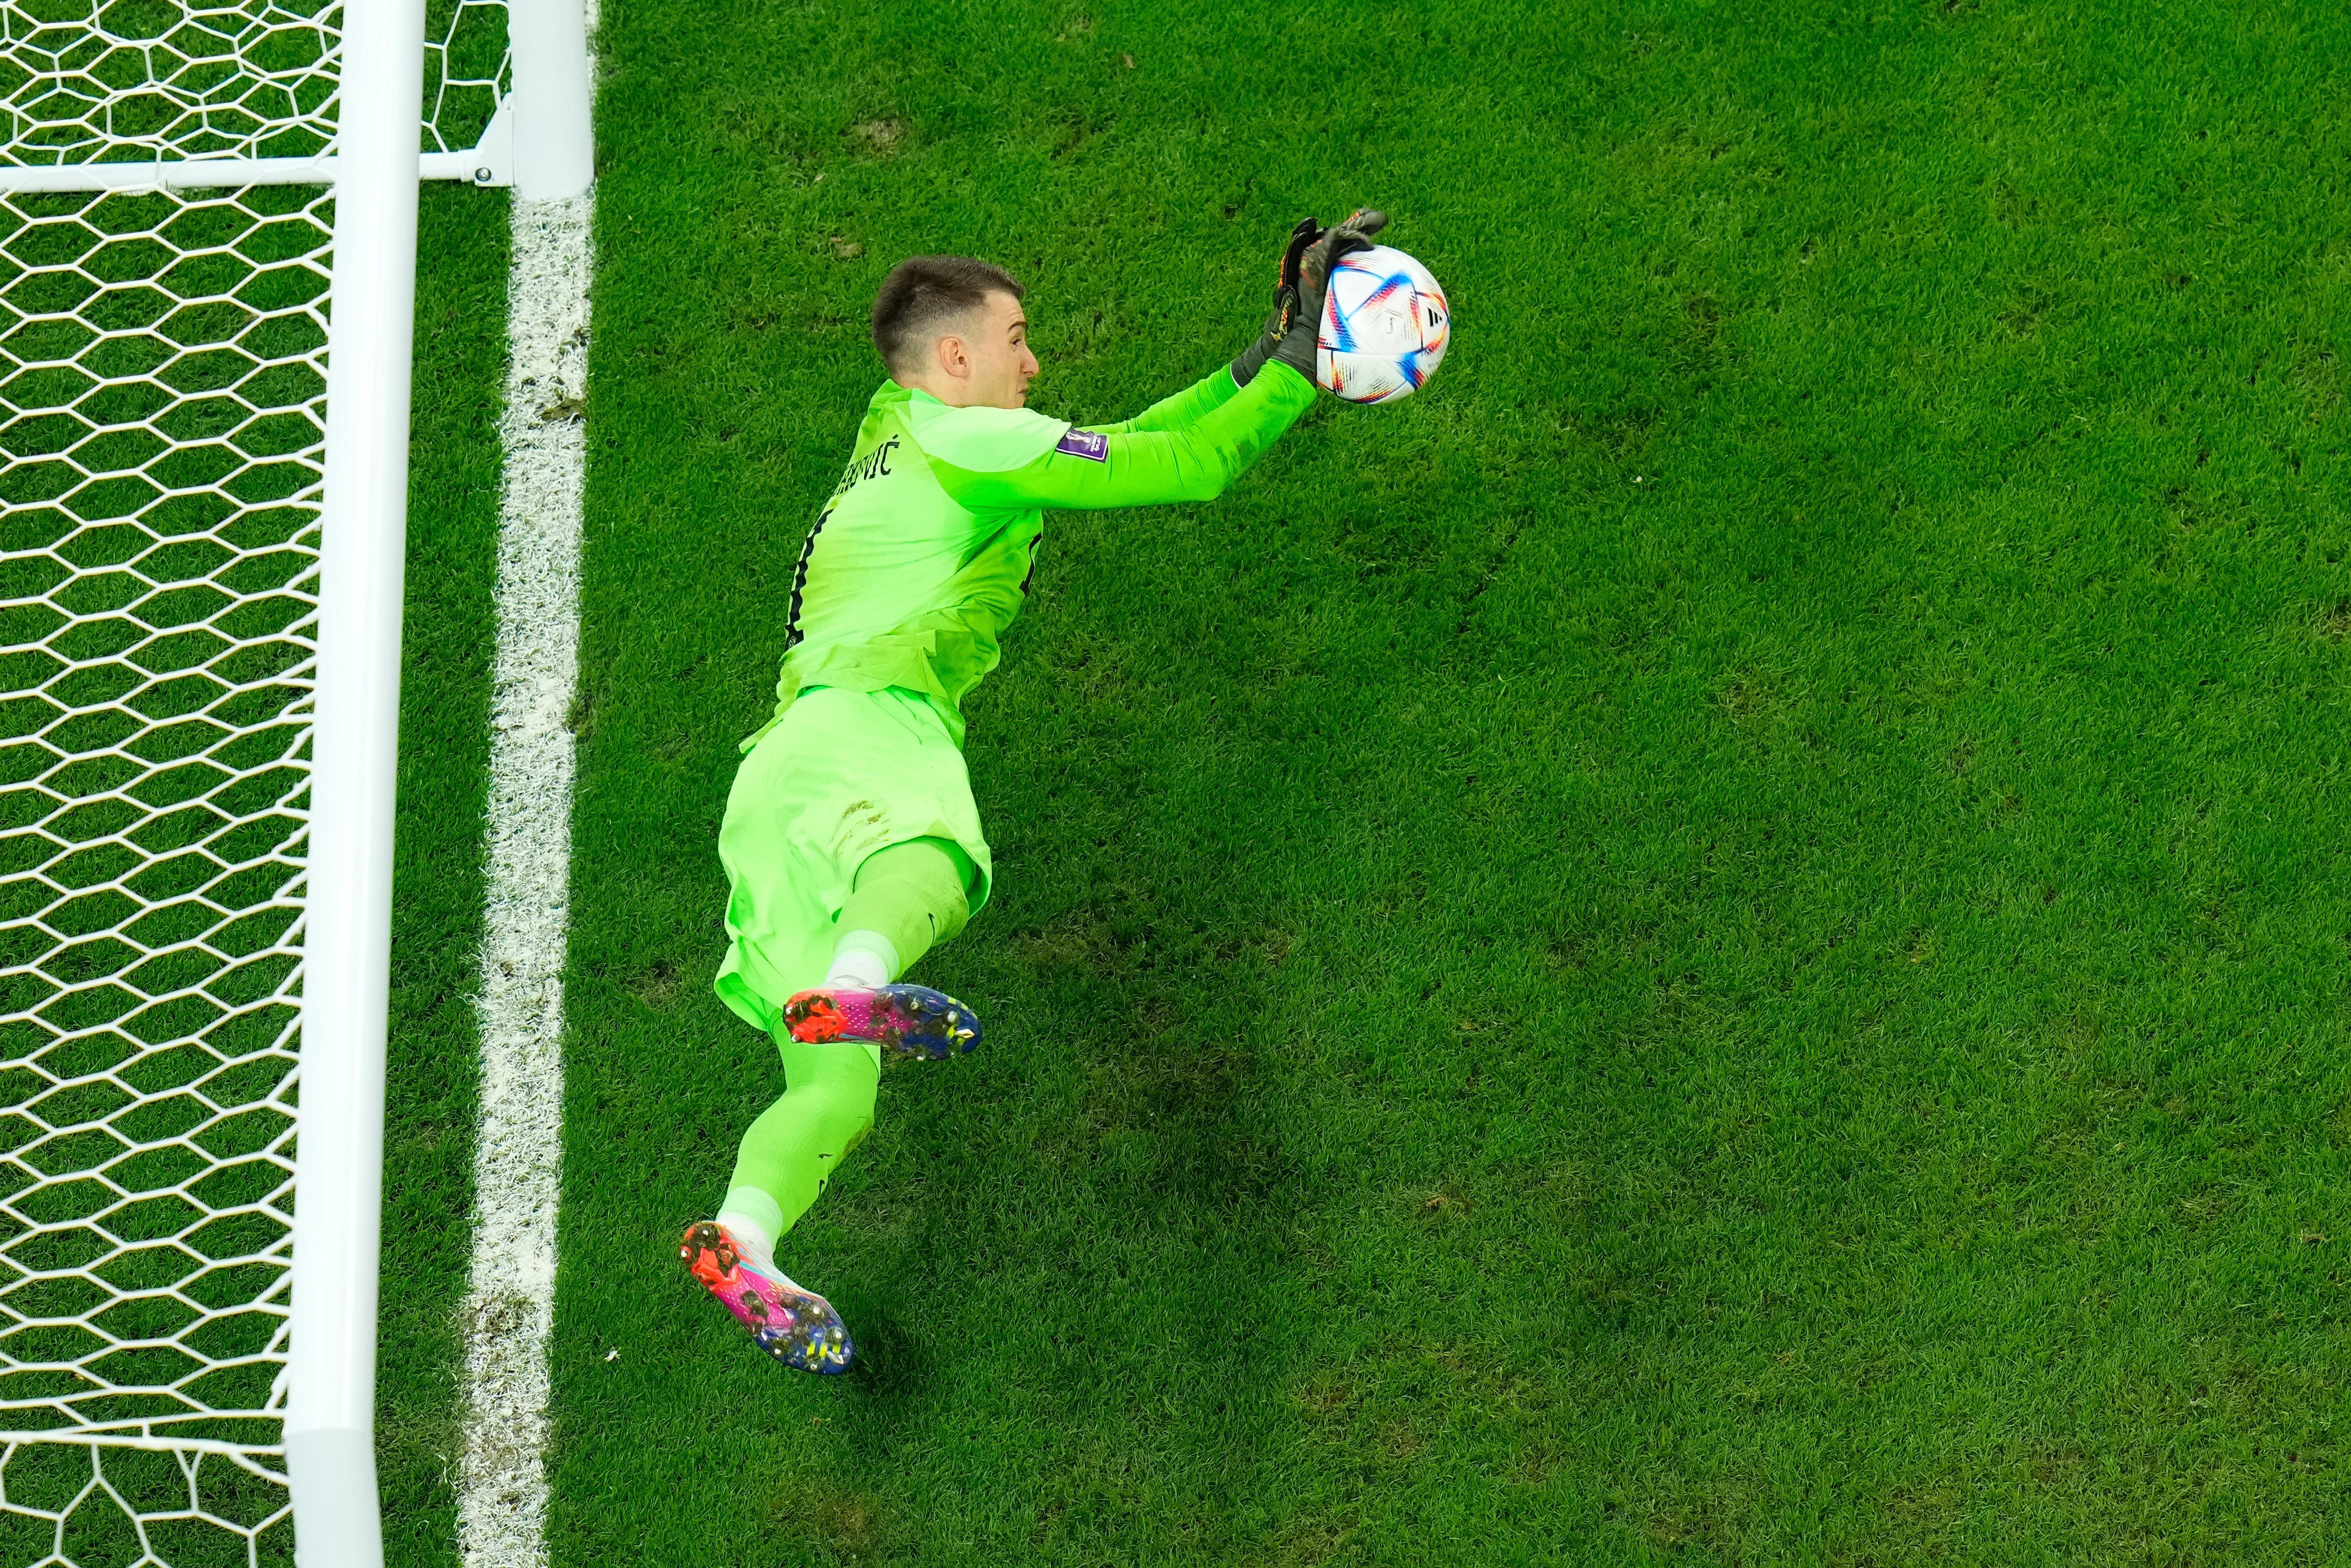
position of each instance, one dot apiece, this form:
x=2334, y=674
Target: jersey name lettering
x=874, y=462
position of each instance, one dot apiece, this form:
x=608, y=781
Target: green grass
x=1722, y=940
x=449, y=637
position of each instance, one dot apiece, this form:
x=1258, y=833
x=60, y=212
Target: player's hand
x=1285, y=303
x=1299, y=335
x=1290, y=302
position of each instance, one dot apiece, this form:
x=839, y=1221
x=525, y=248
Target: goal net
x=163, y=391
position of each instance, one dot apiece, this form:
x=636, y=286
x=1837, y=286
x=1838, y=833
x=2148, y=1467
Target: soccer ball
x=1384, y=325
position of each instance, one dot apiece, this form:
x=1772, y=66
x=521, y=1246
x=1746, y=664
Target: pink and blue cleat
x=797, y=1327
x=912, y=1020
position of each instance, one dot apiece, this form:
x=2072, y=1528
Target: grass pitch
x=449, y=641
x=1722, y=940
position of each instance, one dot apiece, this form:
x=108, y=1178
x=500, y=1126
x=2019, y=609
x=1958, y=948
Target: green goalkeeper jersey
x=924, y=554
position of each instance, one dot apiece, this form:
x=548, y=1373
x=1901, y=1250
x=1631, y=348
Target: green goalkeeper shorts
x=842, y=774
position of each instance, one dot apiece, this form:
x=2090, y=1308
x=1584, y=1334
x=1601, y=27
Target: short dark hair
x=924, y=293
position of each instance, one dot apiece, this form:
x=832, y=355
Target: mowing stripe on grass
x=502, y=1483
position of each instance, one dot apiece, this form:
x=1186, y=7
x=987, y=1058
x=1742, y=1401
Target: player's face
x=1001, y=364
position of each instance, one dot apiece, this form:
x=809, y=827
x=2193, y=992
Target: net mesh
x=158, y=539
x=88, y=81
x=163, y=360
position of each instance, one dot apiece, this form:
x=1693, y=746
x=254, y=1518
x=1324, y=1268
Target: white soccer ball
x=1384, y=326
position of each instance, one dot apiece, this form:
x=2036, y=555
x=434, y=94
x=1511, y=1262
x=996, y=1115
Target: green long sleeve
x=1186, y=448
x=1181, y=409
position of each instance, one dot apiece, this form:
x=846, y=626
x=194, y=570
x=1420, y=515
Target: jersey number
x=792, y=633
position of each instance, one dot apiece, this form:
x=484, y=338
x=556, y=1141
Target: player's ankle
x=755, y=1221
x=864, y=960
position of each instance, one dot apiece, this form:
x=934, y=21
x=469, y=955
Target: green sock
x=797, y=1143
x=913, y=895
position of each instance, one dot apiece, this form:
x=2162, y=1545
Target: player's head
x=954, y=327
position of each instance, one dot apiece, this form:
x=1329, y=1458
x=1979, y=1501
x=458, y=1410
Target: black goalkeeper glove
x=1291, y=332
x=1285, y=304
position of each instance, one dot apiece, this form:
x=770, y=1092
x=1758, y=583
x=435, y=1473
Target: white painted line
x=510, y=1312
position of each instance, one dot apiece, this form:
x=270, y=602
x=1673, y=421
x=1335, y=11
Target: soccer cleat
x=797, y=1327
x=913, y=1021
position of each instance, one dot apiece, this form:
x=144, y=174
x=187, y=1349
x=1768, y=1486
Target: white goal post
x=207, y=275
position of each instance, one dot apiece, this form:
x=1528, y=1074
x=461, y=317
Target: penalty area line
x=509, y=1313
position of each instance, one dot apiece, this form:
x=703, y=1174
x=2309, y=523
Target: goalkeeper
x=851, y=841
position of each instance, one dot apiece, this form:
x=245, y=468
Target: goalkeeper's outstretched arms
x=1222, y=432
x=1187, y=447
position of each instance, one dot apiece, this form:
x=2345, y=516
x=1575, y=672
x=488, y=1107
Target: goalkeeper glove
x=1292, y=331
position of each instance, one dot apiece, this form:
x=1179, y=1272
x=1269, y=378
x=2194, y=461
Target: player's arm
x=1183, y=409
x=1306, y=261
x=1192, y=461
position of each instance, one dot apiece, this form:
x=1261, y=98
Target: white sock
x=752, y=1218
x=866, y=960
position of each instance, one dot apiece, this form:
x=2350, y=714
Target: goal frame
x=339, y=1167
x=538, y=141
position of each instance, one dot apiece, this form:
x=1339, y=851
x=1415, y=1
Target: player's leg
x=840, y=781
x=907, y=899
x=789, y=1154
x=780, y=921
x=784, y=1161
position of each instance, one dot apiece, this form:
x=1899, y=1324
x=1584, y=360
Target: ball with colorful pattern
x=1384, y=327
